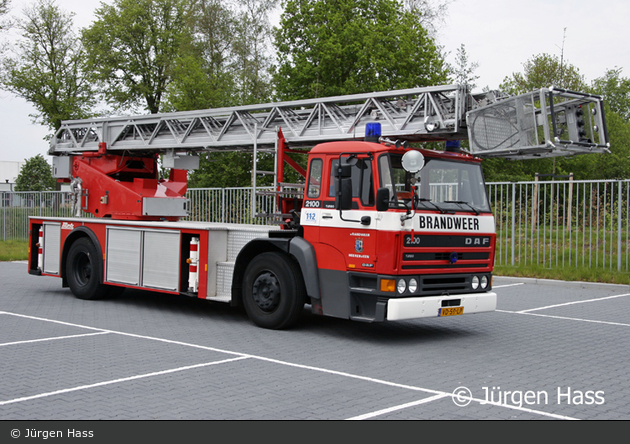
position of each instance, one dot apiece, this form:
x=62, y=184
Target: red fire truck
x=382, y=231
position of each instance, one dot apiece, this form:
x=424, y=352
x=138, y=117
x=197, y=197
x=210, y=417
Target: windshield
x=451, y=185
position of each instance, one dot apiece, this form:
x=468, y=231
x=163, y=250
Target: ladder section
x=428, y=113
x=549, y=122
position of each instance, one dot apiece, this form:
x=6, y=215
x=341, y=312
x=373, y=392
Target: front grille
x=474, y=256
x=448, y=266
x=440, y=284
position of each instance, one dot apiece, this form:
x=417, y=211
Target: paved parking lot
x=552, y=350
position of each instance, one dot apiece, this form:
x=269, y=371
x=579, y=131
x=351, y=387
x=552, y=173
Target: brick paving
x=552, y=350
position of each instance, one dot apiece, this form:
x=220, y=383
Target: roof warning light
x=372, y=131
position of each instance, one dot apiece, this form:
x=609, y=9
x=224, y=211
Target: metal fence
x=562, y=223
x=16, y=207
x=229, y=205
x=544, y=223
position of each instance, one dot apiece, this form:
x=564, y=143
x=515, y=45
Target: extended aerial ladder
x=118, y=155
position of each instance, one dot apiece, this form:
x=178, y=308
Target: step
x=225, y=270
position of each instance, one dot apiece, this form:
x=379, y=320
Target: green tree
x=430, y=13
x=225, y=63
x=252, y=51
x=615, y=90
x=336, y=47
x=228, y=59
x=47, y=66
x=132, y=49
x=223, y=170
x=202, y=75
x=615, y=165
x=543, y=71
x=4, y=8
x=464, y=70
x=35, y=175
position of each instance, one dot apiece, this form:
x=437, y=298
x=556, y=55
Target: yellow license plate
x=451, y=311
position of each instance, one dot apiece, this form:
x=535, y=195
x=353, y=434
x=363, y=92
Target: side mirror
x=382, y=199
x=344, y=170
x=343, y=200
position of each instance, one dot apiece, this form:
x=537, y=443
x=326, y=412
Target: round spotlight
x=401, y=286
x=413, y=285
x=484, y=282
x=431, y=125
x=475, y=282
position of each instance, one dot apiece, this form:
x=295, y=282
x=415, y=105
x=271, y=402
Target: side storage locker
x=123, y=255
x=52, y=247
x=160, y=267
x=143, y=257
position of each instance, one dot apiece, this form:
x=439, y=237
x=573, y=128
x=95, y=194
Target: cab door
x=351, y=230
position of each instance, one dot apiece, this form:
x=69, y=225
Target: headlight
x=413, y=285
x=402, y=286
x=484, y=282
x=475, y=282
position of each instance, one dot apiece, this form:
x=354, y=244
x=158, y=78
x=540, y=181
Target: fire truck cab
x=399, y=233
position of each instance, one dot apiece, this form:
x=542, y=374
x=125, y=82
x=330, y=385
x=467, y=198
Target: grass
x=14, y=250
x=583, y=274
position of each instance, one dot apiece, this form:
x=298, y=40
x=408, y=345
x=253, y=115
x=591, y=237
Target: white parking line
x=54, y=339
x=438, y=394
x=566, y=318
x=507, y=285
x=574, y=303
x=117, y=381
x=398, y=407
x=168, y=341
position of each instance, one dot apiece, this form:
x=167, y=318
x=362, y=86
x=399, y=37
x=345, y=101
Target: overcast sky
x=499, y=35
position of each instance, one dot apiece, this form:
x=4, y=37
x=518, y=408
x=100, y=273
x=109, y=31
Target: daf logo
x=479, y=241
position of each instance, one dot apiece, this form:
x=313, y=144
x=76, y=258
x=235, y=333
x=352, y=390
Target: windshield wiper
x=441, y=210
x=461, y=202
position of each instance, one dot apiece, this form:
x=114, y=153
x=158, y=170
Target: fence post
x=569, y=225
x=513, y=217
x=619, y=225
x=4, y=219
x=535, y=204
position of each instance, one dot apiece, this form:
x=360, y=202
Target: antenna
x=564, y=35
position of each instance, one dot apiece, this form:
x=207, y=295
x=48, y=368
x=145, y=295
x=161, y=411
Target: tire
x=84, y=271
x=273, y=291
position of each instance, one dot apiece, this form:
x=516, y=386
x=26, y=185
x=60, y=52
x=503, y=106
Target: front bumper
x=429, y=306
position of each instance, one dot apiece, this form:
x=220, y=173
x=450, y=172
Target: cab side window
x=362, y=181
x=314, y=179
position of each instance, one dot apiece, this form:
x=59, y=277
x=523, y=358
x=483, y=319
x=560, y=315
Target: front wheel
x=273, y=291
x=84, y=270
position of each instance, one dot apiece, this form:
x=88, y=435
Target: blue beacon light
x=372, y=132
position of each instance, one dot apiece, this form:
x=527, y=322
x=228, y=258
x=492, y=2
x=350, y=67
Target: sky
x=499, y=35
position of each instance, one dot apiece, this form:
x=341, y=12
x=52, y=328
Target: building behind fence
x=545, y=223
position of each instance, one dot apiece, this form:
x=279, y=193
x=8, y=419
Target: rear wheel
x=84, y=270
x=273, y=291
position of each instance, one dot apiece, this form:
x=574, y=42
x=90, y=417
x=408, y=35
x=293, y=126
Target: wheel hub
x=266, y=291
x=83, y=269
